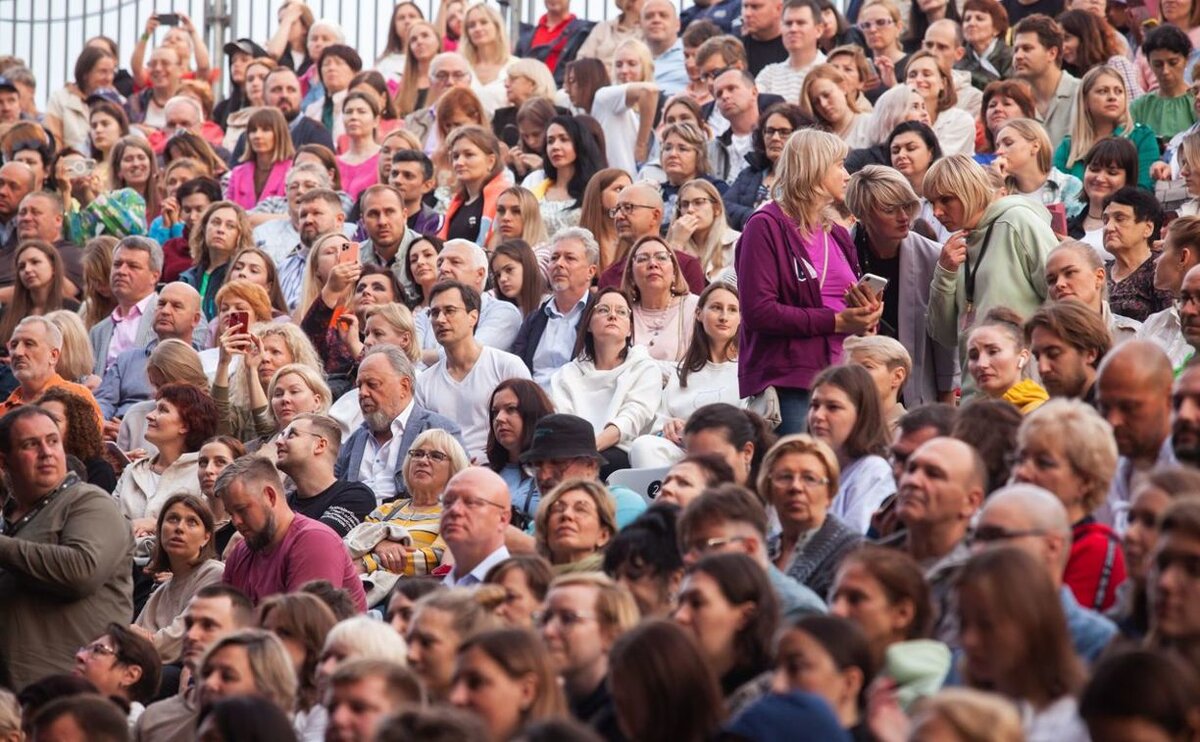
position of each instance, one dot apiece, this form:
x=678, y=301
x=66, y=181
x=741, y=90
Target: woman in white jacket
x=611, y=383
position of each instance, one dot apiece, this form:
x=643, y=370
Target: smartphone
x=116, y=451
x=168, y=19
x=875, y=283
x=349, y=254
x=238, y=321
x=510, y=135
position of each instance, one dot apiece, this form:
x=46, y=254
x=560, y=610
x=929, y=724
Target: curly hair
x=83, y=440
x=196, y=407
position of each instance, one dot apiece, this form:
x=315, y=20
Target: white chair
x=646, y=482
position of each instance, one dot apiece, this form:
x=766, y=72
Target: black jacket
x=576, y=33
x=532, y=328
x=742, y=196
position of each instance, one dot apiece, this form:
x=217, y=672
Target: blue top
x=1090, y=632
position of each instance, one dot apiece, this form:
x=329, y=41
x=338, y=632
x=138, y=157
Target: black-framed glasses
x=626, y=209
x=566, y=618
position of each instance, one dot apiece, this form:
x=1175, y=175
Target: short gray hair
x=396, y=358
x=250, y=468
x=478, y=256
x=53, y=335
x=326, y=23
x=189, y=101
x=311, y=168
x=441, y=58
x=146, y=245
x=590, y=246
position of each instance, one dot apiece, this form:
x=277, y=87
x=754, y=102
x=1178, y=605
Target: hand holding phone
x=238, y=321
x=873, y=283
x=168, y=19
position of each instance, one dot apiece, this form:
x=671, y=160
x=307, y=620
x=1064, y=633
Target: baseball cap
x=7, y=84
x=245, y=46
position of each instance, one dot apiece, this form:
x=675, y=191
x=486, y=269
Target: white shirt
x=781, y=78
x=620, y=124
x=1164, y=330
x=557, y=344
x=499, y=323
x=276, y=238
x=955, y=131
x=475, y=576
x=379, y=462
x=466, y=402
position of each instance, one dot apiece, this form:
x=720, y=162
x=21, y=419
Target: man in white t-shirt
x=499, y=321
x=736, y=97
x=460, y=385
x=801, y=31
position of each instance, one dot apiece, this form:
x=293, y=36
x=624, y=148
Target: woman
x=827, y=98
x=830, y=657
x=518, y=217
x=254, y=87
x=107, y=123
x=371, y=83
x=39, y=287
x=1015, y=640
x=1003, y=100
x=1184, y=15
x=1102, y=110
x=338, y=64
x=1170, y=109
x=474, y=156
x=662, y=685
x=853, y=64
x=66, y=108
x=223, y=230
x=170, y=361
x=690, y=476
x=738, y=436
x=422, y=45
x=184, y=549
x=571, y=158
x=1074, y=271
x=988, y=58
x=1162, y=704
x=517, y=276
x=1023, y=162
x=753, y=184
x=301, y=621
x=663, y=309
x=391, y=62
x=606, y=36
x=526, y=80
x=387, y=324
x=899, y=105
x=76, y=419
x=497, y=667
x=485, y=47
x=256, y=266
x=880, y=22
x=727, y=605
x=532, y=119
x=701, y=230
x=913, y=148
x=134, y=165
x=377, y=544
x=800, y=479
x=954, y=127
x=1110, y=165
x=1066, y=448
x=612, y=383
x=836, y=32
x=575, y=521
x=624, y=110
x=525, y=579
x=1090, y=41
x=812, y=314
x=1129, y=279
x=363, y=637
x=421, y=268
x=246, y=719
x=846, y=414
x=515, y=407
x=295, y=389
x=997, y=355
x=266, y=161
x=216, y=454
x=921, y=15
x=184, y=417
x=359, y=163
x=441, y=622
x=599, y=198
x=122, y=665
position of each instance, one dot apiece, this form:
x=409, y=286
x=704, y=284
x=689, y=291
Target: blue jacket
x=350, y=457
x=125, y=382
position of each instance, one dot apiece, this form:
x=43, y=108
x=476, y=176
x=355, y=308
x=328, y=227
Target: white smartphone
x=875, y=283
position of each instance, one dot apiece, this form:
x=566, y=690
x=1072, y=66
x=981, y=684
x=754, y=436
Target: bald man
x=942, y=488
x=1031, y=519
x=638, y=214
x=944, y=39
x=476, y=509
x=660, y=29
x=1133, y=392
x=16, y=182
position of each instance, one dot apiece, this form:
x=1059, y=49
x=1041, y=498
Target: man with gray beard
x=374, y=454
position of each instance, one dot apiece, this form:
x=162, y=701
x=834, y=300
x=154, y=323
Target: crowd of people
x=417, y=399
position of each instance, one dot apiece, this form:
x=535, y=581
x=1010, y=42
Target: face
x=1145, y=509
x=627, y=66
x=358, y=119
x=276, y=354
x=705, y=613
x=653, y=269
x=105, y=129
x=183, y=534
x=533, y=137
x=1001, y=108
x=251, y=514
x=1138, y=413
x=165, y=424
x=611, y=195
x=426, y=470
x=252, y=267
x=255, y=87
x=924, y=77
x=716, y=441
x=15, y=184
x=192, y=208
x=382, y=393
x=480, y=29
x=570, y=270
x=449, y=317
x=992, y=649
x=204, y=621
x=910, y=155
x=800, y=29
x=226, y=673
x=575, y=530
x=802, y=663
x=831, y=415
x=994, y=360
x=214, y=457
x=97, y=662
x=34, y=269
x=775, y=135
x=845, y=63
x=432, y=644
x=1070, y=48
x=452, y=73
x=317, y=218
x=1171, y=265
x=356, y=708
x=470, y=163
x=164, y=68
x=1069, y=277
x=1106, y=100
x=560, y=150
x=828, y=100
x=1177, y=12
x=1123, y=231
x=469, y=515
x=283, y=92
x=684, y=482
x=1185, y=422
x=30, y=354
x=661, y=23
x=134, y=168
x=721, y=317
x=878, y=27
x=859, y=597
x=1168, y=68
x=800, y=490
x=571, y=632
x=518, y=89
x=1017, y=151
x=409, y=179
x=507, y=423
x=520, y=602
x=319, y=38
x=1031, y=60
x=733, y=94
x=611, y=321
x=372, y=291
x=422, y=260
x=378, y=331
x=1043, y=461
x=679, y=159
x=936, y=487
x=978, y=28
x=1101, y=181
x=422, y=42
x=1065, y=370
x=483, y=687
x=222, y=232
x=399, y=612
x=293, y=397
x=261, y=140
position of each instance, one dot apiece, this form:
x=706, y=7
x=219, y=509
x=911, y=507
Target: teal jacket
x=1143, y=138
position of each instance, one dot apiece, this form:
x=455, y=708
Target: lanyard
x=970, y=277
x=7, y=530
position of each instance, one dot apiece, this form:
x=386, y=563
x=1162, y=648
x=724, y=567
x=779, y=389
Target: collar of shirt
x=552, y=307
x=475, y=576
x=399, y=423
x=135, y=312
x=555, y=30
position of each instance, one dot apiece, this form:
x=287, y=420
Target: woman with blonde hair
x=266, y=161
x=607, y=35
x=954, y=127
x=969, y=715
x=75, y=361
x=519, y=217
x=998, y=360
x=803, y=277
x=98, y=301
x=881, y=24
x=296, y=389
x=701, y=229
x=826, y=97
x=1023, y=161
x=272, y=672
x=1101, y=107
x=486, y=48
x=223, y=230
x=587, y=506
x=526, y=79
x=423, y=44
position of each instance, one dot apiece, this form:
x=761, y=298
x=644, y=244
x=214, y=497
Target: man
x=714, y=56
x=660, y=30
x=730, y=519
x=33, y=352
x=148, y=108
x=279, y=237
x=802, y=28
x=81, y=717
x=392, y=420
x=306, y=451
x=460, y=385
x=362, y=692
x=65, y=553
x=1068, y=341
x=724, y=13
x=1033, y=520
x=762, y=34
x=1172, y=581
x=446, y=70
x=388, y=236
x=499, y=321
x=281, y=89
x=1188, y=307
x=944, y=40
x=215, y=610
x=737, y=99
x=137, y=264
x=1132, y=220
x=184, y=113
x=941, y=490
x=638, y=214
x=10, y=101
x=281, y=549
x=555, y=39
x=176, y=316
x=917, y=427
x=546, y=340
x=319, y=212
x=1185, y=422
x=1180, y=253
x=1133, y=392
x=475, y=512
x=40, y=217
x=1037, y=59
x=412, y=174
x=16, y=182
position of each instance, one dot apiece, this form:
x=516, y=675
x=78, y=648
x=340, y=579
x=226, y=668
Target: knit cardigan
x=815, y=562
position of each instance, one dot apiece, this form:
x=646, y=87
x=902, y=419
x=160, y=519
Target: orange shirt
x=17, y=398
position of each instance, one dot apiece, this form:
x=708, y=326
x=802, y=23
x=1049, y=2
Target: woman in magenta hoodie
x=265, y=164
x=797, y=272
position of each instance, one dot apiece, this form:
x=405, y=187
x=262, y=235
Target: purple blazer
x=787, y=333
x=241, y=184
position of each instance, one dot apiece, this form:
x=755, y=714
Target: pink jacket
x=241, y=184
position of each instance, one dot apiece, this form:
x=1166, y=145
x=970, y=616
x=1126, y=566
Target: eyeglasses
x=992, y=534
x=626, y=209
x=1040, y=462
x=450, y=312
x=784, y=478
x=566, y=618
x=703, y=547
x=713, y=74
x=447, y=76
x=881, y=23
x=579, y=508
x=694, y=202
x=770, y=132
x=605, y=310
x=98, y=648
x=662, y=258
x=419, y=453
x=470, y=502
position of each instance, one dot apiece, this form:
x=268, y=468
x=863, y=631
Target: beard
x=378, y=421
x=260, y=539
x=1185, y=442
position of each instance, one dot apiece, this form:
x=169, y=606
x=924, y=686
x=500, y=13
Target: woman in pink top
x=359, y=165
x=267, y=159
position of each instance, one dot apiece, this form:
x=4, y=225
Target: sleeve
x=108, y=394
x=226, y=424
x=760, y=282
x=355, y=503
x=94, y=542
x=873, y=484
x=592, y=42
x=500, y=330
x=1148, y=154
x=636, y=412
x=609, y=102
x=942, y=320
x=315, y=324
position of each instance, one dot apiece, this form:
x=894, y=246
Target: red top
x=1096, y=566
x=544, y=35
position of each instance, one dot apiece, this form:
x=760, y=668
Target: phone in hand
x=238, y=321
x=873, y=283
x=348, y=254
x=1058, y=218
x=116, y=452
x=168, y=19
